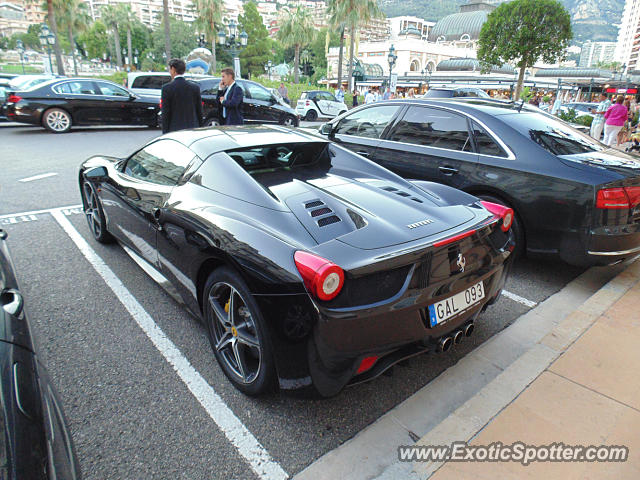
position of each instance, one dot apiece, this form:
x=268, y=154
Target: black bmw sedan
x=259, y=104
x=311, y=266
x=35, y=442
x=573, y=197
x=62, y=103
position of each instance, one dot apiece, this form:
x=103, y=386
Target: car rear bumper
x=602, y=246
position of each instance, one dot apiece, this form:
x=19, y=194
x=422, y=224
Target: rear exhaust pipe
x=458, y=336
x=444, y=344
x=468, y=330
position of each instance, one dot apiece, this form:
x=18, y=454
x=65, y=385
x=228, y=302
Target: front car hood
x=610, y=159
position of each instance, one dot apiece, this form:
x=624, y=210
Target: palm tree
x=111, y=17
x=167, y=31
x=337, y=21
x=74, y=16
x=54, y=28
x=209, y=15
x=126, y=20
x=296, y=29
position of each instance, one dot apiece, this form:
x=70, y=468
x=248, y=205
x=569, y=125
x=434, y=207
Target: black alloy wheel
x=237, y=333
x=94, y=214
x=289, y=121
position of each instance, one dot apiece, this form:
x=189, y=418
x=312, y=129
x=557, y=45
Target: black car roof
x=206, y=141
x=468, y=105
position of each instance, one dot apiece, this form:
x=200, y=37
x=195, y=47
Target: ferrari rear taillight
x=618, y=198
x=13, y=98
x=366, y=364
x=323, y=279
x=505, y=213
x=453, y=239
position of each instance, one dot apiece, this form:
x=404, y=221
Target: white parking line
x=38, y=177
x=37, y=212
x=519, y=299
x=241, y=438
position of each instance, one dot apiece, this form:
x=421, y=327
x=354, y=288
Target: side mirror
x=326, y=129
x=132, y=96
x=98, y=174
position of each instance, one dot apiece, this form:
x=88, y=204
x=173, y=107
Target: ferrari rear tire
x=94, y=214
x=238, y=333
x=518, y=232
x=312, y=115
x=57, y=120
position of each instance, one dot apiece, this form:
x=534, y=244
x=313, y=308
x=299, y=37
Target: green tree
x=51, y=16
x=524, y=31
x=181, y=39
x=296, y=30
x=337, y=21
x=257, y=52
x=111, y=17
x=209, y=16
x=96, y=39
x=74, y=17
x=357, y=14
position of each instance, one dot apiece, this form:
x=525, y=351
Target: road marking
x=38, y=177
x=18, y=219
x=241, y=438
x=37, y=212
x=519, y=299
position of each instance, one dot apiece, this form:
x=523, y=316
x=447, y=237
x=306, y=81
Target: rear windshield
x=554, y=135
x=281, y=157
x=438, y=94
x=151, y=81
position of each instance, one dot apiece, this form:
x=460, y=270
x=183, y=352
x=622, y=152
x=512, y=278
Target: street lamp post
x=268, y=67
x=234, y=43
x=135, y=58
x=391, y=58
x=47, y=39
x=20, y=49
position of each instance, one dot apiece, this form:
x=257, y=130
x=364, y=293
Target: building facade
x=628, y=45
x=12, y=19
x=597, y=52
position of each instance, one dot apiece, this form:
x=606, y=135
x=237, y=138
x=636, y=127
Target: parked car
x=25, y=82
x=259, y=104
x=59, y=104
x=581, y=108
x=4, y=87
x=572, y=196
x=455, y=92
x=311, y=266
x=319, y=103
x=36, y=441
x=150, y=83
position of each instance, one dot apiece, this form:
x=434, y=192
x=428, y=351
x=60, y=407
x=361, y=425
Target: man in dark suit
x=181, y=102
x=231, y=99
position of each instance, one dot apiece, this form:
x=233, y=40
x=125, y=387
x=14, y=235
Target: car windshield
x=553, y=135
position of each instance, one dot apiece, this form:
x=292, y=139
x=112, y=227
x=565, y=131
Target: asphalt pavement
x=131, y=412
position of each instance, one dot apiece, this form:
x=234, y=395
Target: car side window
x=485, y=144
x=210, y=87
x=368, y=122
x=432, y=127
x=150, y=81
x=78, y=87
x=112, y=90
x=259, y=93
x=162, y=162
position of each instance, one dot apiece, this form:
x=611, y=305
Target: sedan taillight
x=14, y=98
x=160, y=104
x=618, y=198
x=505, y=213
x=323, y=279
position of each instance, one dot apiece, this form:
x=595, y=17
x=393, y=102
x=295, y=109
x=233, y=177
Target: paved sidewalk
x=587, y=394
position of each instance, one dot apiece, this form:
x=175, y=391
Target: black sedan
x=35, y=442
x=62, y=103
x=573, y=197
x=310, y=266
x=259, y=104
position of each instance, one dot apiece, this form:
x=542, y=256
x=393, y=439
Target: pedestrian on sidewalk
x=284, y=93
x=615, y=117
x=181, y=101
x=340, y=94
x=231, y=98
x=355, y=99
x=597, y=125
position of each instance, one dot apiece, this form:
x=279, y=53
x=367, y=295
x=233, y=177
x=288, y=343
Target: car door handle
x=11, y=302
x=448, y=170
x=363, y=153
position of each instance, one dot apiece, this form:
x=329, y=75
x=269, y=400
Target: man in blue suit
x=181, y=102
x=231, y=100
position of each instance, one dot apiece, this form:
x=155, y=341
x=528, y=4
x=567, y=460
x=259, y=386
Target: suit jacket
x=181, y=105
x=233, y=106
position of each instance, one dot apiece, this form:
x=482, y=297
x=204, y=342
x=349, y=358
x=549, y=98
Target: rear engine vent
x=403, y=194
x=315, y=203
x=389, y=189
x=320, y=211
x=416, y=200
x=324, y=221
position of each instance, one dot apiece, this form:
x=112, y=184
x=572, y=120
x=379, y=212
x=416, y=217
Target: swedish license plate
x=450, y=307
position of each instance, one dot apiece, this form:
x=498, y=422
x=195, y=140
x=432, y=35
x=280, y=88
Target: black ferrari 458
x=311, y=266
